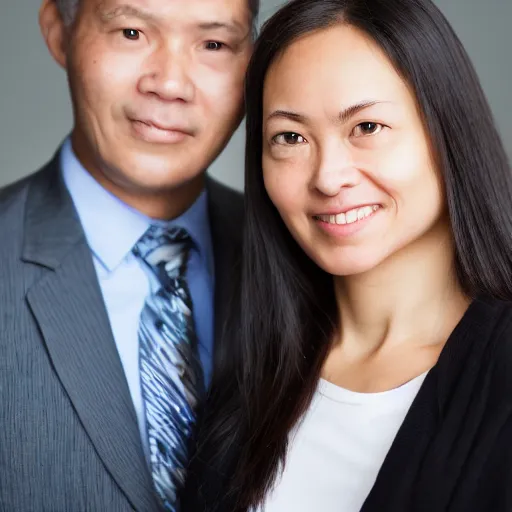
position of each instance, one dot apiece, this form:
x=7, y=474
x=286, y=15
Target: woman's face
x=346, y=160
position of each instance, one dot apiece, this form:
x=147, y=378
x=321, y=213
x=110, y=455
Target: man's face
x=157, y=87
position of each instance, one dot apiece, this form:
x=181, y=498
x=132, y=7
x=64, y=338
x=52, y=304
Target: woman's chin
x=345, y=266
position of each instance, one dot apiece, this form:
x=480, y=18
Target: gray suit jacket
x=69, y=440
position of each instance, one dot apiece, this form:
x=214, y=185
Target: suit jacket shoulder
x=14, y=207
x=12, y=202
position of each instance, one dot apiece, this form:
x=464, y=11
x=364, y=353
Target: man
x=116, y=255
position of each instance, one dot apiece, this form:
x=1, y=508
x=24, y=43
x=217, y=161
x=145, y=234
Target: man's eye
x=131, y=33
x=288, y=138
x=367, y=128
x=214, y=45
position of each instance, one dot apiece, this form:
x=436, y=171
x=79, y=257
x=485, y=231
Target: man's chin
x=153, y=176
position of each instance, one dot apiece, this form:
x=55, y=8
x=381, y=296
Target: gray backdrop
x=35, y=109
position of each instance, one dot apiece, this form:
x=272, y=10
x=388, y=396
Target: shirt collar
x=112, y=228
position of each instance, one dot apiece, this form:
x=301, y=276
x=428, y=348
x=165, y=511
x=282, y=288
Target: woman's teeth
x=350, y=216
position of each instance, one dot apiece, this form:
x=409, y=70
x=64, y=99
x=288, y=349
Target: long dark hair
x=284, y=323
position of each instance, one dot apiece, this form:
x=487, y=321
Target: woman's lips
x=347, y=224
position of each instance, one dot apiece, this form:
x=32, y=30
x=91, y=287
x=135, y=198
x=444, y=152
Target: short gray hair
x=254, y=8
x=69, y=8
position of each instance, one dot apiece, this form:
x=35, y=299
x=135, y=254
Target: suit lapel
x=69, y=309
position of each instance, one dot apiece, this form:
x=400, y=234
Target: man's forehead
x=236, y=10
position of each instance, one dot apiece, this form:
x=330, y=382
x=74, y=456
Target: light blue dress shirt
x=112, y=228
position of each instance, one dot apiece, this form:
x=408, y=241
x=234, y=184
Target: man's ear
x=54, y=31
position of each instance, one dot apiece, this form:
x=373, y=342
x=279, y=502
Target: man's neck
x=161, y=205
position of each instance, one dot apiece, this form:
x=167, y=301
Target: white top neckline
x=346, y=396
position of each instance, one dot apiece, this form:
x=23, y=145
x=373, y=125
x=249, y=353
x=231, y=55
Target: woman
x=372, y=355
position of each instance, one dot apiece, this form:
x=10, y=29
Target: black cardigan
x=453, y=452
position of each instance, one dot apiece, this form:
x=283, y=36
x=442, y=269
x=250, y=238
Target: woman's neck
x=411, y=301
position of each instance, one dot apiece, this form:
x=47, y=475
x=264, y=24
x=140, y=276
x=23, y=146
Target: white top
x=336, y=451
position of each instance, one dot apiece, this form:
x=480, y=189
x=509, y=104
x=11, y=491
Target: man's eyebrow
x=107, y=15
x=233, y=27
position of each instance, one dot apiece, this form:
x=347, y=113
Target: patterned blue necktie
x=170, y=371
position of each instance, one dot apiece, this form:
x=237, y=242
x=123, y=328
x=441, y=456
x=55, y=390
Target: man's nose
x=169, y=75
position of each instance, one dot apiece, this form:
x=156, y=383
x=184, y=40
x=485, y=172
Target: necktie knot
x=165, y=250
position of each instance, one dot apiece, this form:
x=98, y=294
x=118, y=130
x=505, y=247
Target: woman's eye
x=131, y=33
x=214, y=45
x=367, y=128
x=289, y=138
